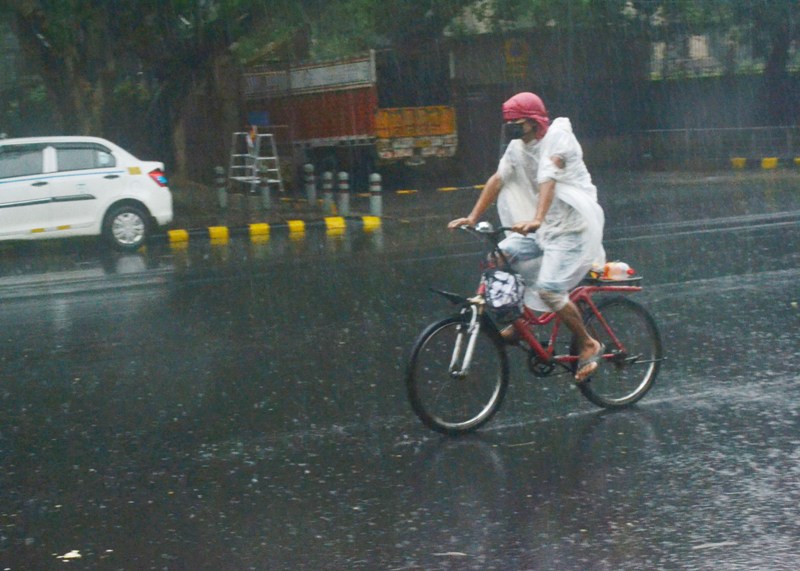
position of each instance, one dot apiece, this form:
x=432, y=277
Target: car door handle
x=111, y=176
x=40, y=183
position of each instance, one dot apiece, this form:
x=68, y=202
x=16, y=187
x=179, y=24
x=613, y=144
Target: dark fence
x=720, y=145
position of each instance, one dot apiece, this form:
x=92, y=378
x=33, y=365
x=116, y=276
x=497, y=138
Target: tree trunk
x=208, y=112
x=180, y=169
x=776, y=78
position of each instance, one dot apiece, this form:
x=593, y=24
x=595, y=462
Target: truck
x=356, y=114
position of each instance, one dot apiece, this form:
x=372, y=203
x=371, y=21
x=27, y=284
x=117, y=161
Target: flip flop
x=593, y=362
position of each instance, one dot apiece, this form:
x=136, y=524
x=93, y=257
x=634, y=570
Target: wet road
x=240, y=406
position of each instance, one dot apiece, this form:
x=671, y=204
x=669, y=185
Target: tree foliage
x=68, y=43
x=104, y=62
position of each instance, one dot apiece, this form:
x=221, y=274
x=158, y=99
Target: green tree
x=70, y=45
x=176, y=53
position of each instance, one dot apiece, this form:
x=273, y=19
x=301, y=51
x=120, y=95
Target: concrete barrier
x=343, y=196
x=263, y=230
x=327, y=192
x=310, y=184
x=375, y=198
x=765, y=163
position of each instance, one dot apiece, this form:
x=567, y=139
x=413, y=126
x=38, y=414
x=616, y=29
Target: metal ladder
x=254, y=160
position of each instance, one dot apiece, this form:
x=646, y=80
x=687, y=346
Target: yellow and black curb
x=260, y=231
x=441, y=189
x=764, y=163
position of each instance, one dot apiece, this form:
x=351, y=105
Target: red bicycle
x=457, y=374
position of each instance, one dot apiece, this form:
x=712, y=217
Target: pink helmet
x=526, y=105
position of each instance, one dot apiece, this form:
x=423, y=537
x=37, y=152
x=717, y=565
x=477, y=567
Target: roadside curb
x=765, y=163
x=401, y=192
x=262, y=230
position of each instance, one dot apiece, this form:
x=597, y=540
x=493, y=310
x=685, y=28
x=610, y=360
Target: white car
x=53, y=187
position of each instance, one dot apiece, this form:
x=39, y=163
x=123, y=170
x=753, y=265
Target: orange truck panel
x=415, y=122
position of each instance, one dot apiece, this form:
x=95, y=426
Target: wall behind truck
x=604, y=86
x=413, y=77
x=600, y=89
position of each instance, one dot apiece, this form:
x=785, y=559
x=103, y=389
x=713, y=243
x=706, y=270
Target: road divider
x=263, y=230
x=407, y=191
x=296, y=226
x=765, y=163
x=455, y=188
x=219, y=233
x=333, y=224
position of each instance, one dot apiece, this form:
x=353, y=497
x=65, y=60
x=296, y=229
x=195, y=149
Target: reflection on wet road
x=240, y=406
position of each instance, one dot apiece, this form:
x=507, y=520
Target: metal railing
x=719, y=144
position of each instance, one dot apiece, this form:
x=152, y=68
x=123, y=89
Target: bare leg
x=587, y=345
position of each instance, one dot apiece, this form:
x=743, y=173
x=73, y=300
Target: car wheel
x=126, y=227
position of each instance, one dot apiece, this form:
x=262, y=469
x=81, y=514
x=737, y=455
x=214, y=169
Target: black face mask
x=514, y=131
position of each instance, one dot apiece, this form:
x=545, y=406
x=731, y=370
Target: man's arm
x=547, y=191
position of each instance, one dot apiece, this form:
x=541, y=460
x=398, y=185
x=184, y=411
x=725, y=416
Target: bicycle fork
x=470, y=332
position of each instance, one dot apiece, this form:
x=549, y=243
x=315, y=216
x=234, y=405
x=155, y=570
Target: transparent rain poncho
x=571, y=235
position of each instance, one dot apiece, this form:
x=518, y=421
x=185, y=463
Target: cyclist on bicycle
x=542, y=186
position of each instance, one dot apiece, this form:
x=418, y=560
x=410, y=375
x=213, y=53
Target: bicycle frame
x=530, y=321
x=582, y=296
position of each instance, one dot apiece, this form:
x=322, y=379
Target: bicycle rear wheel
x=458, y=401
x=636, y=352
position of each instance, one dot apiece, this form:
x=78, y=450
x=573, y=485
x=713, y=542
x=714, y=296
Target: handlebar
x=486, y=231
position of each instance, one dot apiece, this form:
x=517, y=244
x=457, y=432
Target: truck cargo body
x=336, y=104
x=326, y=118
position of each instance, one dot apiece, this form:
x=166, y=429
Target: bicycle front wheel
x=446, y=395
x=632, y=339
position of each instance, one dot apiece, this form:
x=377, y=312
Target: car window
x=20, y=160
x=78, y=157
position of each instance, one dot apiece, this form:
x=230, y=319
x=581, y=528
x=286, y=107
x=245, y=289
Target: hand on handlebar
x=526, y=228
x=458, y=222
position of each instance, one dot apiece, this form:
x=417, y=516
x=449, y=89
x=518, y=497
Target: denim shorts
x=550, y=269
